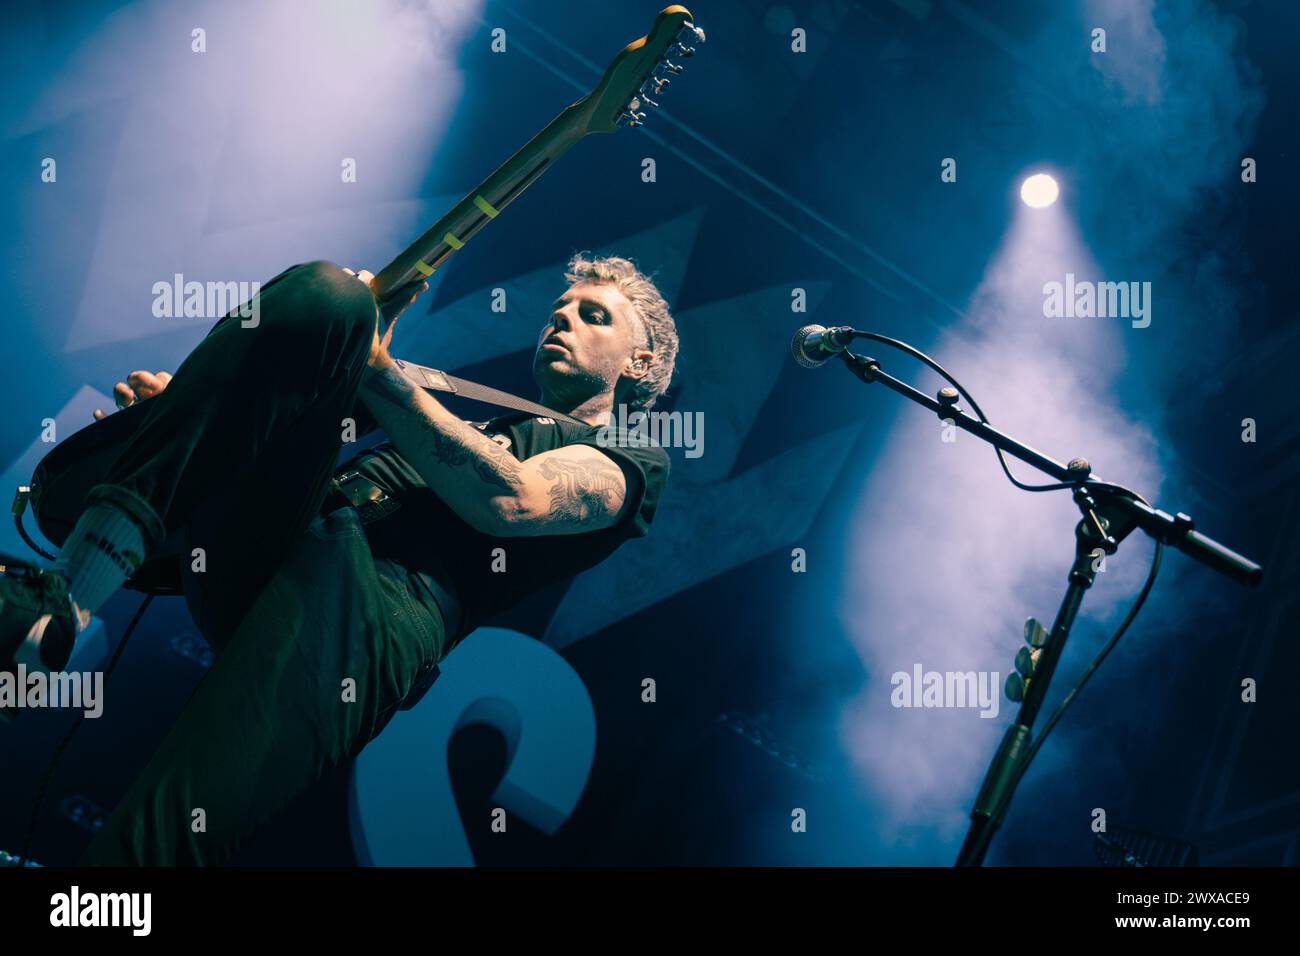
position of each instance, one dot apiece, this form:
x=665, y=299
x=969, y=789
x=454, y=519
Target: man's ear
x=638, y=365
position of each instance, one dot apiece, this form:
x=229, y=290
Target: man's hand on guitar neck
x=387, y=313
x=137, y=387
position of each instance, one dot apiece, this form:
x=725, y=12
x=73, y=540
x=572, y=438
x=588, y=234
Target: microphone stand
x=1109, y=514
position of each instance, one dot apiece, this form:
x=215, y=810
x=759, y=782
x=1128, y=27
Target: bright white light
x=1039, y=191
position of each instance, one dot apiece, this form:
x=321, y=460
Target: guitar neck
x=481, y=205
x=642, y=68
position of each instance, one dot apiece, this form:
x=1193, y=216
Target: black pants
x=317, y=642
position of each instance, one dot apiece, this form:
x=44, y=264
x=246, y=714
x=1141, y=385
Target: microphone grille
x=797, y=349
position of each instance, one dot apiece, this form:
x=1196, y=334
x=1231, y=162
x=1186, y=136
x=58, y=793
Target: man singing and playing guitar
x=330, y=594
x=325, y=617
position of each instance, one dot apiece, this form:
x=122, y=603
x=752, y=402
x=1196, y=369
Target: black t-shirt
x=454, y=564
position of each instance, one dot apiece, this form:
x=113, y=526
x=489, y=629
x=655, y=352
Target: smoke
x=1175, y=104
x=1137, y=78
x=947, y=558
x=982, y=555
x=215, y=140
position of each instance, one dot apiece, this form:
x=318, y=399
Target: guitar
x=641, y=71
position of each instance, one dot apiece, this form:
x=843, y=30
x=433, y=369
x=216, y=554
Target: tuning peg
x=1035, y=636
x=1015, y=687
x=685, y=51
x=1027, y=661
x=667, y=67
x=647, y=101
x=690, y=32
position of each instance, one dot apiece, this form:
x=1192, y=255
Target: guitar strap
x=370, y=500
x=437, y=381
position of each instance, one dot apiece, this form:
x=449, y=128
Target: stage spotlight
x=1039, y=191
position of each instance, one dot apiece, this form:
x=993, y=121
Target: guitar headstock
x=640, y=73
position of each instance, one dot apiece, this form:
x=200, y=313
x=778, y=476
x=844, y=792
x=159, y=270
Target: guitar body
x=64, y=477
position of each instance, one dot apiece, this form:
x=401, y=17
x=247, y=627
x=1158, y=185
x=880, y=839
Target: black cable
x=67, y=738
x=921, y=356
x=22, y=532
x=1093, y=485
x=18, y=523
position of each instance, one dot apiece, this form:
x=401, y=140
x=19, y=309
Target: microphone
x=814, y=344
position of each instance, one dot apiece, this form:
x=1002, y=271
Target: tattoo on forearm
x=580, y=489
x=492, y=463
x=391, y=386
x=453, y=442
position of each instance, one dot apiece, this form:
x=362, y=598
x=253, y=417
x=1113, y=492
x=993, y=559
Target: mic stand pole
x=1110, y=513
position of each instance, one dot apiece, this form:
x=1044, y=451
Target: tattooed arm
x=563, y=491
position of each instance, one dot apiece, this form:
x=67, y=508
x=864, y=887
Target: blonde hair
x=650, y=307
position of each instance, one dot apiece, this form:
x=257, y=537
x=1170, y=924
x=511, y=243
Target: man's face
x=588, y=342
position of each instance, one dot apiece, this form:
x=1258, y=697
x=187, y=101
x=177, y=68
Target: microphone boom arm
x=1178, y=530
